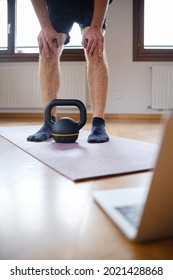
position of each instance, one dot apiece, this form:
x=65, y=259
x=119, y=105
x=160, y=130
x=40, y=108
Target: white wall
x=131, y=79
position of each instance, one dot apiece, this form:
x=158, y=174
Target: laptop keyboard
x=132, y=213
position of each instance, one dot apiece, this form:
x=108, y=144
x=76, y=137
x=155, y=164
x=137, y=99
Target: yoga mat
x=81, y=160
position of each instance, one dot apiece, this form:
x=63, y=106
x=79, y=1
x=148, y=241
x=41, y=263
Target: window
x=18, y=37
x=152, y=30
x=4, y=23
x=27, y=28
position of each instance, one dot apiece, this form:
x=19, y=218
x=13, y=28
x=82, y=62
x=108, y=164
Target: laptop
x=145, y=213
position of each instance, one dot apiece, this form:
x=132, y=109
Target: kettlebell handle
x=65, y=102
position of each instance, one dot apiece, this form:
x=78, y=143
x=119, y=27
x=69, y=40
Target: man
x=56, y=18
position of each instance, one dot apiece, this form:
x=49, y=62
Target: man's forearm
x=100, y=8
x=41, y=12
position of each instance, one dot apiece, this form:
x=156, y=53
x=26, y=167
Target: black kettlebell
x=65, y=130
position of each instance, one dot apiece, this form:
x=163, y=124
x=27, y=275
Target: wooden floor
x=44, y=215
x=143, y=129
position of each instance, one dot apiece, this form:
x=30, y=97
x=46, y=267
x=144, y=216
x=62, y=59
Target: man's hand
x=93, y=39
x=49, y=40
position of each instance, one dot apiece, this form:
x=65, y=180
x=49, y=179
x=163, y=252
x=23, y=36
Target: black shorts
x=64, y=13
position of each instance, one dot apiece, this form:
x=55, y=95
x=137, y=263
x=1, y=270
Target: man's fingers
x=100, y=48
x=84, y=43
x=92, y=48
x=55, y=43
x=46, y=49
x=43, y=47
x=40, y=45
x=89, y=46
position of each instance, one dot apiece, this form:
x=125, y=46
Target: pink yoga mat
x=81, y=160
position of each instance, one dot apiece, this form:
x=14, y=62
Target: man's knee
x=53, y=58
x=95, y=59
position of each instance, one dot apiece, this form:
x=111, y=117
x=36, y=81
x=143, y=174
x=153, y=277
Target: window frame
x=9, y=55
x=139, y=52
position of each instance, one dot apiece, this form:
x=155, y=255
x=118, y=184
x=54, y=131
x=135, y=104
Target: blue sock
x=98, y=132
x=43, y=133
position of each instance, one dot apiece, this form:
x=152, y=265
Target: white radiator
x=20, y=89
x=162, y=87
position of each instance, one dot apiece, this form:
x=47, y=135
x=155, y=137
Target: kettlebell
x=65, y=130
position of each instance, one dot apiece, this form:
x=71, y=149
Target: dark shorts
x=64, y=13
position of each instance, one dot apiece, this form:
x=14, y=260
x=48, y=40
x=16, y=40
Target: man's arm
x=100, y=9
x=47, y=34
x=41, y=12
x=94, y=37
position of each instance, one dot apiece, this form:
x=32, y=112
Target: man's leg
x=49, y=83
x=98, y=88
